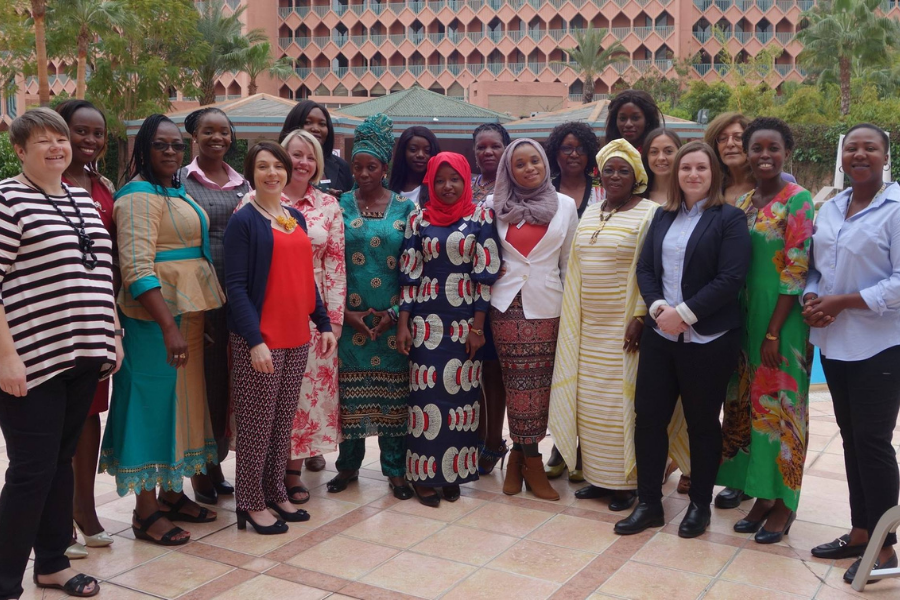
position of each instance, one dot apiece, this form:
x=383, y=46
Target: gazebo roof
x=417, y=102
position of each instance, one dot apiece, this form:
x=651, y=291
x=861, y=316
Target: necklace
x=365, y=211
x=85, y=243
x=604, y=219
x=288, y=223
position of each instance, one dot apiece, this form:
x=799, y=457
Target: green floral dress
x=765, y=429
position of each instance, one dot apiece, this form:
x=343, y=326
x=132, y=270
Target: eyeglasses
x=569, y=150
x=737, y=138
x=163, y=146
x=609, y=172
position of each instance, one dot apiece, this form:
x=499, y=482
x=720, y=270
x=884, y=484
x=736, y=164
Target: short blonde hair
x=307, y=137
x=716, y=196
x=34, y=121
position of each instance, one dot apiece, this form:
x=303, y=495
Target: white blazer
x=541, y=274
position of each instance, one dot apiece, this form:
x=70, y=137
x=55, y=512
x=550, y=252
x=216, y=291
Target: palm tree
x=257, y=59
x=590, y=58
x=841, y=32
x=83, y=21
x=39, y=16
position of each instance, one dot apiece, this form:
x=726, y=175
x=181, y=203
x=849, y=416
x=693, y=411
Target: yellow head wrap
x=620, y=148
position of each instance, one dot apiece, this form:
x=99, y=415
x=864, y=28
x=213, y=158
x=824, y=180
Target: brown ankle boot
x=512, y=483
x=536, y=480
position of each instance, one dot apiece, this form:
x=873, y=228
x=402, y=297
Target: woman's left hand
x=385, y=322
x=824, y=307
x=327, y=344
x=769, y=355
x=633, y=336
x=473, y=343
x=337, y=329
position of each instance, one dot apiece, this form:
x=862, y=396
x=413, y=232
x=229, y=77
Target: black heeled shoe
x=433, y=501
x=764, y=536
x=451, y=493
x=298, y=516
x=243, y=517
x=747, y=526
x=731, y=498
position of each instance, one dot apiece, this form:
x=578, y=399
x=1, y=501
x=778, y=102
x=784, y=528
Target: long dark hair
x=645, y=103
x=192, y=122
x=645, y=152
x=399, y=168
x=68, y=109
x=296, y=119
x=139, y=164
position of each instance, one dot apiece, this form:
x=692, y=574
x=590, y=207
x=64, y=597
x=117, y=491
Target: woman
x=692, y=267
x=592, y=398
x=767, y=406
x=315, y=430
x=373, y=377
x=536, y=225
x=851, y=300
x=47, y=384
x=572, y=147
x=314, y=118
x=414, y=148
x=725, y=136
x=269, y=280
x=87, y=130
x=489, y=141
x=217, y=189
x=631, y=115
x=450, y=246
x=158, y=430
x=659, y=152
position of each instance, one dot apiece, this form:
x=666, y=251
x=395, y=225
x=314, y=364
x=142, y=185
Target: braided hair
x=496, y=127
x=645, y=103
x=139, y=163
x=585, y=136
x=296, y=119
x=68, y=109
x=399, y=167
x=192, y=124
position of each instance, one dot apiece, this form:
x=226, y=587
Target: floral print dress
x=765, y=429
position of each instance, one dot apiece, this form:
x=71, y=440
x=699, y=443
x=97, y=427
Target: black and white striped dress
x=56, y=308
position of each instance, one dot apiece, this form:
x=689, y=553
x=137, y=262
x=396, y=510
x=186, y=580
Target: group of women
x=619, y=292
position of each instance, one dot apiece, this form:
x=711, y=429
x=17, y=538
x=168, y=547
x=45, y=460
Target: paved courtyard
x=363, y=543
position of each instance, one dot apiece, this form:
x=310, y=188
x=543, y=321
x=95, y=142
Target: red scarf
x=435, y=211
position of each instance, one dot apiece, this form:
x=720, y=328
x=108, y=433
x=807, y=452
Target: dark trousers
x=699, y=373
x=866, y=397
x=41, y=432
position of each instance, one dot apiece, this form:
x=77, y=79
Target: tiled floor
x=363, y=543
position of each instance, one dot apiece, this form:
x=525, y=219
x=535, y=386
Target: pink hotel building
x=499, y=54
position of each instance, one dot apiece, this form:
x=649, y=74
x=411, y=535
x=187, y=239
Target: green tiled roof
x=419, y=102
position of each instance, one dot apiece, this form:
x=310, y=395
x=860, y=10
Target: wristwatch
x=477, y=331
x=119, y=333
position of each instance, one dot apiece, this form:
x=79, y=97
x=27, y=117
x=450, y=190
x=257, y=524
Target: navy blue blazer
x=248, y=255
x=716, y=262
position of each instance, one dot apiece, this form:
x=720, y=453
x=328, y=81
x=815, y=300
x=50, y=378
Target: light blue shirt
x=859, y=254
x=673, y=249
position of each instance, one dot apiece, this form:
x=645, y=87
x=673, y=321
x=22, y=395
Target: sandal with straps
x=490, y=457
x=174, y=513
x=297, y=489
x=141, y=532
x=73, y=587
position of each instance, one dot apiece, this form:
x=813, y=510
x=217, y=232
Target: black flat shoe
x=850, y=574
x=590, y=492
x=298, y=516
x=839, y=548
x=339, y=483
x=276, y=528
x=618, y=504
x=433, y=500
x=764, y=536
x=73, y=587
x=731, y=498
x=643, y=517
x=401, y=492
x=223, y=488
x=695, y=521
x=451, y=493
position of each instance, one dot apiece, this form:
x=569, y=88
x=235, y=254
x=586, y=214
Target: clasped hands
x=821, y=312
x=670, y=322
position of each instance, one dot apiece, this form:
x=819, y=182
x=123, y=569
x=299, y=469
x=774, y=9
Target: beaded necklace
x=85, y=243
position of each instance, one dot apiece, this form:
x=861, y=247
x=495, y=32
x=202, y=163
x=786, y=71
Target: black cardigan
x=715, y=267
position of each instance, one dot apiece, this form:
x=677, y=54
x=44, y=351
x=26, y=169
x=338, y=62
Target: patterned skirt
x=526, y=348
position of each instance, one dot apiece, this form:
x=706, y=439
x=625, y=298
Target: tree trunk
x=844, y=66
x=38, y=13
x=251, y=87
x=81, y=72
x=588, y=93
x=208, y=93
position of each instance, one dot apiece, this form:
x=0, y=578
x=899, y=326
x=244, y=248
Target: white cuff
x=655, y=307
x=686, y=314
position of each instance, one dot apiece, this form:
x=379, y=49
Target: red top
x=103, y=202
x=526, y=237
x=290, y=291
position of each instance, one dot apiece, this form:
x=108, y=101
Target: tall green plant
x=590, y=58
x=258, y=59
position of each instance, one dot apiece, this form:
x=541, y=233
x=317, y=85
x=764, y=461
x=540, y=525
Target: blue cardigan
x=248, y=255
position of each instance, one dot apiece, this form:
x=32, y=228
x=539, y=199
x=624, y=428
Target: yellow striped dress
x=592, y=398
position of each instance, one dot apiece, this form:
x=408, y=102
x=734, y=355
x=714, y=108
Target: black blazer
x=715, y=267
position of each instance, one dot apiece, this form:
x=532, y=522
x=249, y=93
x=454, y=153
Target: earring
x=841, y=169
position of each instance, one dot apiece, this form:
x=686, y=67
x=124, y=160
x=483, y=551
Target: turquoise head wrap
x=375, y=136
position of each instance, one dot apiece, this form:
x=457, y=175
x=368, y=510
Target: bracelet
x=119, y=333
x=479, y=332
x=392, y=313
x=640, y=320
x=771, y=338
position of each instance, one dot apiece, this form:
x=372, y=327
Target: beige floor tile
x=820, y=427
x=550, y=563
x=418, y=575
x=696, y=556
x=506, y=519
x=487, y=584
x=637, y=581
x=343, y=557
x=123, y=555
x=575, y=533
x=270, y=588
x=817, y=443
x=324, y=510
x=249, y=542
x=831, y=463
x=172, y=575
x=447, y=511
x=836, y=446
x=775, y=572
x=465, y=545
x=394, y=529
x=727, y=590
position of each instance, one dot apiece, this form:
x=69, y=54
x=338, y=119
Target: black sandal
x=142, y=531
x=73, y=587
x=297, y=489
x=174, y=513
x=339, y=483
x=490, y=457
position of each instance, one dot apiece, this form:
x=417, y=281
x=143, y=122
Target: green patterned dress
x=765, y=430
x=373, y=377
